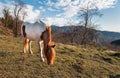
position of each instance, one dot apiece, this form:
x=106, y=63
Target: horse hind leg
x=26, y=45
x=40, y=50
x=30, y=50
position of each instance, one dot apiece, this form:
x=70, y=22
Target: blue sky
x=62, y=12
x=111, y=18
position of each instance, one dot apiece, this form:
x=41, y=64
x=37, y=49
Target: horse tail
x=23, y=30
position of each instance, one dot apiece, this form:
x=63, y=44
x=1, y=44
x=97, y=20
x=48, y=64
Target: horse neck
x=47, y=36
x=50, y=37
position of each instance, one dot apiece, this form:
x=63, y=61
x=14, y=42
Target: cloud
x=50, y=3
x=100, y=4
x=104, y=4
x=70, y=11
x=32, y=14
x=42, y=9
x=1, y=8
x=57, y=21
x=64, y=10
x=71, y=8
x=51, y=9
x=62, y=3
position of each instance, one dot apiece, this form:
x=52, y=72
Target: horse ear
x=48, y=27
x=53, y=45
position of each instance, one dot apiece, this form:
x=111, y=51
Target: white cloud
x=76, y=2
x=42, y=9
x=32, y=14
x=40, y=2
x=58, y=15
x=57, y=21
x=104, y=4
x=1, y=8
x=100, y=4
x=5, y=6
x=70, y=8
x=50, y=3
x=70, y=11
x=50, y=9
x=62, y=3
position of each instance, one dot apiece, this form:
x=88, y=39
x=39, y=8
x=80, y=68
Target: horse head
x=50, y=53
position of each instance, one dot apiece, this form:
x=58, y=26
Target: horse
x=41, y=34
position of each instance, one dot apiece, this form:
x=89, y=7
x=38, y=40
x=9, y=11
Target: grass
x=72, y=61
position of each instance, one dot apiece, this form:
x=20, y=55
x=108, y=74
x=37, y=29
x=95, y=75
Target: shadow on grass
x=115, y=55
x=114, y=76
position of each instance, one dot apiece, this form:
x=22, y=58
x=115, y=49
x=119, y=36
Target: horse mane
x=46, y=35
x=49, y=34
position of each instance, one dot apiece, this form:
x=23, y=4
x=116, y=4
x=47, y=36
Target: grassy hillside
x=72, y=61
x=5, y=31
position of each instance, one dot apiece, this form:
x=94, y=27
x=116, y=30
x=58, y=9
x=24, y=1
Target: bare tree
x=19, y=5
x=92, y=36
x=86, y=15
x=6, y=17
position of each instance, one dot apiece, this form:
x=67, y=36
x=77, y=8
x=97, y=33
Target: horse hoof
x=42, y=60
x=31, y=53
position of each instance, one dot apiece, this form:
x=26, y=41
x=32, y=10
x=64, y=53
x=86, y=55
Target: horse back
x=33, y=31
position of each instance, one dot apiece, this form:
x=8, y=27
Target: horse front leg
x=40, y=50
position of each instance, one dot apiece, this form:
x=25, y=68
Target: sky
x=64, y=12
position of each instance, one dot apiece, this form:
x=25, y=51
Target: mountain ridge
x=106, y=34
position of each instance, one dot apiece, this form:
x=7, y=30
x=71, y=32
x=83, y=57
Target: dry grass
x=72, y=61
x=4, y=30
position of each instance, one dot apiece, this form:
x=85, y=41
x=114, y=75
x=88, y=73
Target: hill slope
x=5, y=31
x=72, y=61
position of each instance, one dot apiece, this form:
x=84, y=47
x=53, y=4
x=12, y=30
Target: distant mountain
x=66, y=31
x=111, y=35
x=116, y=42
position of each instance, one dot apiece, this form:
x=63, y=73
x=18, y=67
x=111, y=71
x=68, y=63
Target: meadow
x=72, y=61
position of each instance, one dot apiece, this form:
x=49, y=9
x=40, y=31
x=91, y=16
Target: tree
x=86, y=15
x=6, y=17
x=19, y=5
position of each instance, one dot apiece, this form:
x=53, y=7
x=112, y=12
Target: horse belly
x=33, y=36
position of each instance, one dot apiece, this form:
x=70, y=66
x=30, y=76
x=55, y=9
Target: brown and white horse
x=40, y=33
